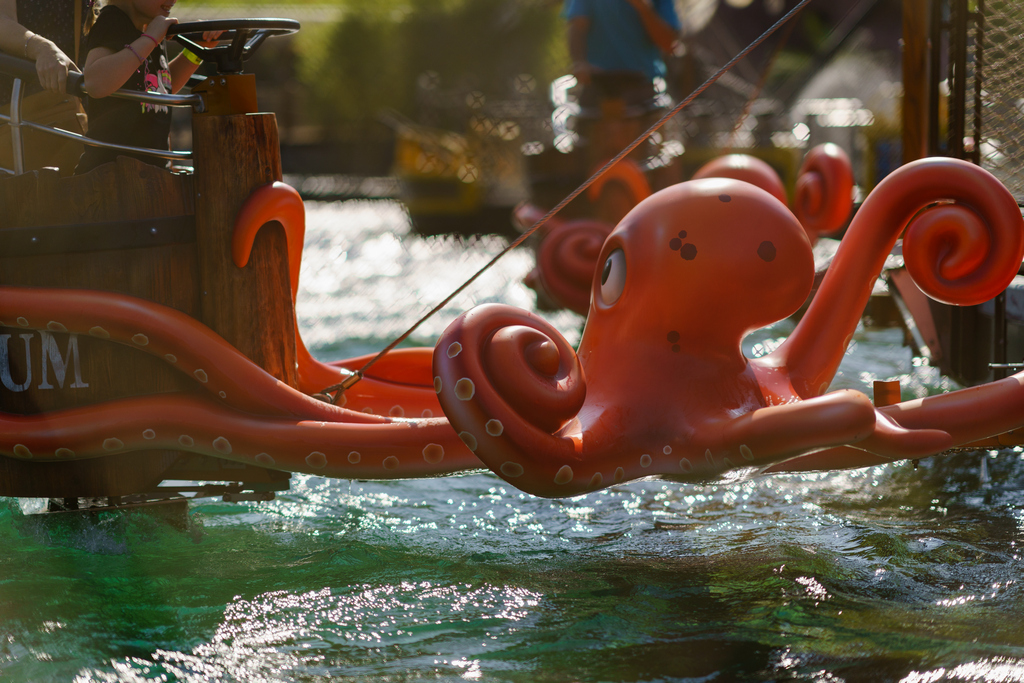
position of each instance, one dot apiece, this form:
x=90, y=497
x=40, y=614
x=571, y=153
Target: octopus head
x=704, y=261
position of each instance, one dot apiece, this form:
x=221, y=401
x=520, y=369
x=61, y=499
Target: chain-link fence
x=1002, y=145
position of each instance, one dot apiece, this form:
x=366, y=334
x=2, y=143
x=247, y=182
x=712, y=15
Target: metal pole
x=17, y=145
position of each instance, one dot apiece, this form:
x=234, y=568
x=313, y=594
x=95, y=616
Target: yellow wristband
x=190, y=56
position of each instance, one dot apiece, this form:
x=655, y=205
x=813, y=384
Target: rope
x=352, y=379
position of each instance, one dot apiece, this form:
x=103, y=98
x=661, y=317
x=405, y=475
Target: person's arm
x=52, y=65
x=579, y=27
x=659, y=30
x=182, y=67
x=107, y=70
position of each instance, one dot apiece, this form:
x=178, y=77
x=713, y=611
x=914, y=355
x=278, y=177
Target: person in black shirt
x=125, y=49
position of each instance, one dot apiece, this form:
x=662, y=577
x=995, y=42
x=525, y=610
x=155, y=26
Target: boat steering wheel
x=241, y=39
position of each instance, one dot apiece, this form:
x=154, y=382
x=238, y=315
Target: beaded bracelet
x=192, y=57
x=141, y=60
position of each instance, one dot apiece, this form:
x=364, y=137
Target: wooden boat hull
x=136, y=229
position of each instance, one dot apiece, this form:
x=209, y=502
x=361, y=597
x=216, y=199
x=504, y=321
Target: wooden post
x=250, y=307
x=915, y=79
x=887, y=392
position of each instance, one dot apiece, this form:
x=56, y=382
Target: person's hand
x=157, y=28
x=210, y=38
x=52, y=65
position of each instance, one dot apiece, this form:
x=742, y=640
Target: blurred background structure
x=456, y=102
x=463, y=107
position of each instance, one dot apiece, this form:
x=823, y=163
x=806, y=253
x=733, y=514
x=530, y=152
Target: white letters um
x=51, y=357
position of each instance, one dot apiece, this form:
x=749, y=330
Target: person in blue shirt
x=617, y=49
x=620, y=35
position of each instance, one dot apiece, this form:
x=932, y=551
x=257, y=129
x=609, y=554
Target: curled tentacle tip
x=824, y=190
x=276, y=201
x=966, y=245
x=514, y=382
x=529, y=370
x=542, y=355
x=566, y=261
x=629, y=175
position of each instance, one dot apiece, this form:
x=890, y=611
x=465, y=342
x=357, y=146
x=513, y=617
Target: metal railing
x=23, y=70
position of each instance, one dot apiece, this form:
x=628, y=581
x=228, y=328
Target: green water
x=885, y=574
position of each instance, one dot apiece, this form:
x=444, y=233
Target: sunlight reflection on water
x=363, y=280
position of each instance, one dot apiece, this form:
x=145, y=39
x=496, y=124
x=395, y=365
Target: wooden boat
x=144, y=241
x=452, y=183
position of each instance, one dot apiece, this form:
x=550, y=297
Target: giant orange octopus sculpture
x=660, y=385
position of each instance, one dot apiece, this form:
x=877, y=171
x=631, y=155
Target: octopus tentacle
x=399, y=449
x=394, y=385
x=830, y=459
x=780, y=431
x=566, y=260
x=962, y=416
x=814, y=349
x=824, y=190
x=180, y=340
x=626, y=173
x=968, y=414
x=279, y=202
x=282, y=203
x=509, y=382
x=925, y=427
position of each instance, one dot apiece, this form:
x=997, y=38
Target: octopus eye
x=613, y=277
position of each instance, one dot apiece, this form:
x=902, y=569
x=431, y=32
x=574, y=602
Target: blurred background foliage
x=359, y=70
x=377, y=55
x=381, y=52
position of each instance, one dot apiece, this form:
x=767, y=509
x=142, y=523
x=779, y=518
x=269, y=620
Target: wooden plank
x=167, y=274
x=125, y=189
x=250, y=307
x=114, y=475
